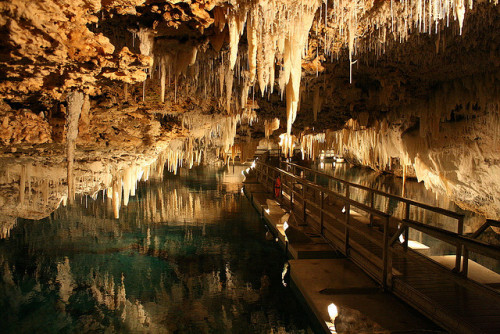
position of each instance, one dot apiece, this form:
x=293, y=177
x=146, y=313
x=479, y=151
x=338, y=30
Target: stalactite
x=163, y=76
x=317, y=102
x=270, y=126
x=75, y=103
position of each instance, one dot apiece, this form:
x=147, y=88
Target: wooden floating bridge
x=379, y=244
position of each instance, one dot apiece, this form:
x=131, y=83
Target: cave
x=155, y=155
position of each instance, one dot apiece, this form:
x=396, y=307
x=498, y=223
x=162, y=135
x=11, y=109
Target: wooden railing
x=296, y=191
x=408, y=203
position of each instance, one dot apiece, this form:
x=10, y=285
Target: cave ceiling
x=221, y=73
x=50, y=48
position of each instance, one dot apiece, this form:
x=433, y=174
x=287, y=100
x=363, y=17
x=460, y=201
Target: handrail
x=463, y=244
x=454, y=238
x=436, y=209
x=331, y=192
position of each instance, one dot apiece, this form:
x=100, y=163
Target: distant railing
x=295, y=190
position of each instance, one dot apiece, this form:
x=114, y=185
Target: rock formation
x=402, y=86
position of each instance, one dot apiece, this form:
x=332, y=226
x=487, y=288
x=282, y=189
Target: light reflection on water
x=188, y=254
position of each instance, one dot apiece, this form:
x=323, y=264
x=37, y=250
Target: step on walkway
x=361, y=306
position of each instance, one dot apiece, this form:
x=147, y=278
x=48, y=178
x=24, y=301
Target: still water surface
x=188, y=255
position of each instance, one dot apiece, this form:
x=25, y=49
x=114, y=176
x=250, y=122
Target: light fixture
x=401, y=237
x=343, y=209
x=332, y=313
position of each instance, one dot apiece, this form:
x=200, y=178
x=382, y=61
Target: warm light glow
x=343, y=209
x=253, y=164
x=401, y=237
x=267, y=211
x=285, y=226
x=333, y=312
x=322, y=164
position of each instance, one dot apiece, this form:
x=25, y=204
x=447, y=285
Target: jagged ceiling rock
x=47, y=48
x=415, y=66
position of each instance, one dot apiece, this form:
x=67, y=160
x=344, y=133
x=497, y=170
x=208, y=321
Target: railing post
x=372, y=203
x=465, y=263
x=282, y=179
x=304, y=202
x=385, y=254
x=267, y=177
x=347, y=207
x=321, y=214
x=406, y=233
x=460, y=231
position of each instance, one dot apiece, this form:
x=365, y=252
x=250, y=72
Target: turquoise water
x=187, y=255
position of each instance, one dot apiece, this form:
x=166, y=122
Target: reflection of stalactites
x=65, y=280
x=8, y=277
x=116, y=199
x=7, y=223
x=121, y=296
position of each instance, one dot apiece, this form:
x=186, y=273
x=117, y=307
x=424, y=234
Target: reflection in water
x=188, y=254
x=413, y=190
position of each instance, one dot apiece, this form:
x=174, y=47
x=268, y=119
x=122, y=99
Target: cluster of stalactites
x=287, y=144
x=213, y=130
x=311, y=145
x=277, y=31
x=124, y=184
x=246, y=151
x=346, y=21
x=373, y=147
x=270, y=126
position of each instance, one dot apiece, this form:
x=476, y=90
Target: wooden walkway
x=372, y=239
